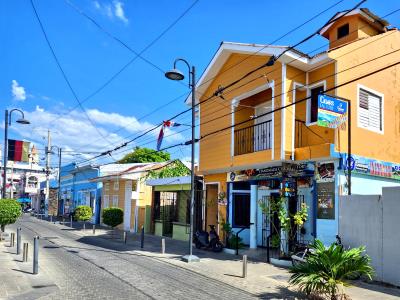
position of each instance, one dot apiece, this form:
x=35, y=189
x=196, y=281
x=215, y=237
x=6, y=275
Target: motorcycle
x=208, y=241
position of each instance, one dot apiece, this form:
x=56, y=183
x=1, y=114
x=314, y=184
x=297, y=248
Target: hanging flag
x=18, y=150
x=166, y=124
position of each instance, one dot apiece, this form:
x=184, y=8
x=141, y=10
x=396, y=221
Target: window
x=115, y=201
x=106, y=201
x=107, y=186
x=314, y=103
x=116, y=185
x=370, y=110
x=241, y=210
x=343, y=31
x=134, y=185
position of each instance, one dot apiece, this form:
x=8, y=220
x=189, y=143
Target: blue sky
x=31, y=81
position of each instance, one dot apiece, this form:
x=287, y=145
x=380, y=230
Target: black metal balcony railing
x=253, y=138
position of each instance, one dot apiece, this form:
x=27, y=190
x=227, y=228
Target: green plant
x=275, y=240
x=233, y=240
x=144, y=155
x=83, y=213
x=173, y=169
x=10, y=210
x=328, y=269
x=113, y=216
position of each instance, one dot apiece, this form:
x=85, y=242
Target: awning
x=24, y=200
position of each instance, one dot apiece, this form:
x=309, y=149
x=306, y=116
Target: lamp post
x=7, y=122
x=175, y=74
x=48, y=152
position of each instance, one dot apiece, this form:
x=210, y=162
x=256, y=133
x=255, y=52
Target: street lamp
x=175, y=74
x=7, y=122
x=46, y=200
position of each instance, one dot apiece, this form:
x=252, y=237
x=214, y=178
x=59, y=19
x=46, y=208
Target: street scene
x=198, y=149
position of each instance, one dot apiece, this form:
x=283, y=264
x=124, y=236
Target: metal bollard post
x=142, y=238
x=51, y=219
x=71, y=221
x=12, y=239
x=63, y=221
x=35, y=255
x=84, y=226
x=124, y=237
x=244, y=274
x=94, y=229
x=25, y=253
x=162, y=246
x=19, y=241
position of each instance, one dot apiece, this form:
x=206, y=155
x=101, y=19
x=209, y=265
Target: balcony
x=253, y=138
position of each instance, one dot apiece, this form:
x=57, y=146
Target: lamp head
x=174, y=74
x=271, y=61
x=23, y=121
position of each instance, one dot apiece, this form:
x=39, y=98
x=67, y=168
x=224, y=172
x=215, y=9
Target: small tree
x=10, y=211
x=113, y=216
x=327, y=271
x=83, y=213
x=145, y=155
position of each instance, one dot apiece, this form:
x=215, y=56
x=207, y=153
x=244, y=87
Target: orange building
x=254, y=147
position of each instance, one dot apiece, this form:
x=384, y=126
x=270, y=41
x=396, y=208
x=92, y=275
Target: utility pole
x=59, y=179
x=46, y=199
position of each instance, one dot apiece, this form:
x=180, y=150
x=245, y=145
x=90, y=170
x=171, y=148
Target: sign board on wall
x=332, y=112
x=368, y=166
x=285, y=170
x=326, y=200
x=325, y=172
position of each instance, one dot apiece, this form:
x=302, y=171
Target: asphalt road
x=94, y=268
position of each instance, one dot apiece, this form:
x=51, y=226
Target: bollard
x=94, y=229
x=51, y=219
x=124, y=237
x=12, y=239
x=25, y=253
x=35, y=255
x=244, y=275
x=71, y=221
x=63, y=221
x=142, y=238
x=84, y=226
x=162, y=246
x=19, y=241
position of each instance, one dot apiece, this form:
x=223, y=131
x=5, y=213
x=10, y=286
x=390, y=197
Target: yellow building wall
x=215, y=150
x=367, y=143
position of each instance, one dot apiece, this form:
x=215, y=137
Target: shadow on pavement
x=282, y=293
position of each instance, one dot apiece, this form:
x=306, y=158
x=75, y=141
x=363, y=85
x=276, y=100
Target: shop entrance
x=264, y=228
x=211, y=209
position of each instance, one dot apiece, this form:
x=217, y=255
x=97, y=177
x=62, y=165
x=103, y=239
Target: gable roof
x=363, y=12
x=292, y=57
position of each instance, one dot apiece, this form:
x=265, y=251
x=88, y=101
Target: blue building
x=78, y=189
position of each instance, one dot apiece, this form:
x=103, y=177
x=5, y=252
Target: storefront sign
x=286, y=170
x=325, y=172
x=368, y=166
x=331, y=111
x=326, y=200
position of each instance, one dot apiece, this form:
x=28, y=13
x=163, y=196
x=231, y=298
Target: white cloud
x=119, y=11
x=18, y=92
x=114, y=10
x=75, y=132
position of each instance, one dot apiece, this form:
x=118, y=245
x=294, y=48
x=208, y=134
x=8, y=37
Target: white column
x=127, y=207
x=253, y=216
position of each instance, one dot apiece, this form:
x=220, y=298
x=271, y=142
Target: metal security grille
x=168, y=201
x=253, y=138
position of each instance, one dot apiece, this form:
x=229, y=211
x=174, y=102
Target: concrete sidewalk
x=16, y=278
x=263, y=279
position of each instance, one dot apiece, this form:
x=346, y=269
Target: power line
x=129, y=48
x=63, y=72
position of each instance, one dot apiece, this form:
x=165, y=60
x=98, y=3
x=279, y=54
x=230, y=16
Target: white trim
x=308, y=109
x=283, y=112
x=360, y=86
x=199, y=118
x=235, y=103
x=294, y=90
x=273, y=120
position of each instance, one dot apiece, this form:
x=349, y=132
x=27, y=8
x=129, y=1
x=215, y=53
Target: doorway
x=264, y=228
x=211, y=210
